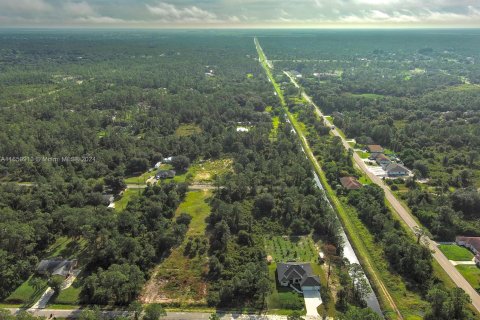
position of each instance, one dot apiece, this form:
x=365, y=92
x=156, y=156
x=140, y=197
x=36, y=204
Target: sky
x=240, y=13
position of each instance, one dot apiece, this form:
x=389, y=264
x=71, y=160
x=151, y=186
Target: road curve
x=401, y=211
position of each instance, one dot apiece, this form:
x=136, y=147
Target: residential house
x=165, y=174
x=374, y=150
x=382, y=160
x=57, y=266
x=108, y=198
x=350, y=183
x=472, y=243
x=297, y=273
x=396, y=170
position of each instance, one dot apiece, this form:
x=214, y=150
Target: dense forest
x=96, y=108
x=84, y=112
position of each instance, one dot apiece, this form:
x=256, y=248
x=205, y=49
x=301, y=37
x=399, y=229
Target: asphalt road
x=170, y=315
x=402, y=212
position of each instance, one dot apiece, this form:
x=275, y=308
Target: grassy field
x=122, y=203
x=455, y=253
x=71, y=295
x=371, y=96
x=363, y=154
x=180, y=278
x=185, y=130
x=27, y=294
x=471, y=273
x=206, y=171
x=283, y=249
x=195, y=204
x=67, y=248
x=275, y=123
x=141, y=179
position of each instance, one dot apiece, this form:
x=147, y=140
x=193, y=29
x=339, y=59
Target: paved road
x=170, y=315
x=404, y=214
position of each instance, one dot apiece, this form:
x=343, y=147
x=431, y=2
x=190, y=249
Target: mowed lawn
x=29, y=292
x=180, y=278
x=140, y=179
x=456, y=253
x=122, y=203
x=71, y=295
x=471, y=273
x=196, y=205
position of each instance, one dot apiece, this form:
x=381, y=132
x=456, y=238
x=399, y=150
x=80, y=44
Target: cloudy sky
x=240, y=13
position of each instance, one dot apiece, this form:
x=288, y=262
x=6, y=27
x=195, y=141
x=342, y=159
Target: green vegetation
x=180, y=279
x=140, y=179
x=455, y=252
x=29, y=292
x=69, y=296
x=186, y=130
x=282, y=300
x=471, y=273
x=125, y=198
x=196, y=205
x=283, y=249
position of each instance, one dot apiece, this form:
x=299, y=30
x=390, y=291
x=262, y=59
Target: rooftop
x=473, y=241
x=350, y=183
x=395, y=167
x=375, y=148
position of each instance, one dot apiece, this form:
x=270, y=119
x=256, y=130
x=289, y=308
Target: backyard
x=283, y=249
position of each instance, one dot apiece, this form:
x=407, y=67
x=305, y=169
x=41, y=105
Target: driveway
x=378, y=171
x=312, y=301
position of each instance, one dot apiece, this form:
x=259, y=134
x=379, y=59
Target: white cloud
x=25, y=5
x=100, y=20
x=170, y=13
x=79, y=9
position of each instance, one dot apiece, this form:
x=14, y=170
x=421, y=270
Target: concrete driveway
x=312, y=301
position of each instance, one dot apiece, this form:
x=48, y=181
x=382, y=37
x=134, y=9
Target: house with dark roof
x=374, y=150
x=350, y=183
x=165, y=174
x=297, y=273
x=57, y=266
x=396, y=170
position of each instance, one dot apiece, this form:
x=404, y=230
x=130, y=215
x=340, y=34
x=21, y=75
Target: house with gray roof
x=299, y=274
x=396, y=170
x=58, y=267
x=165, y=174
